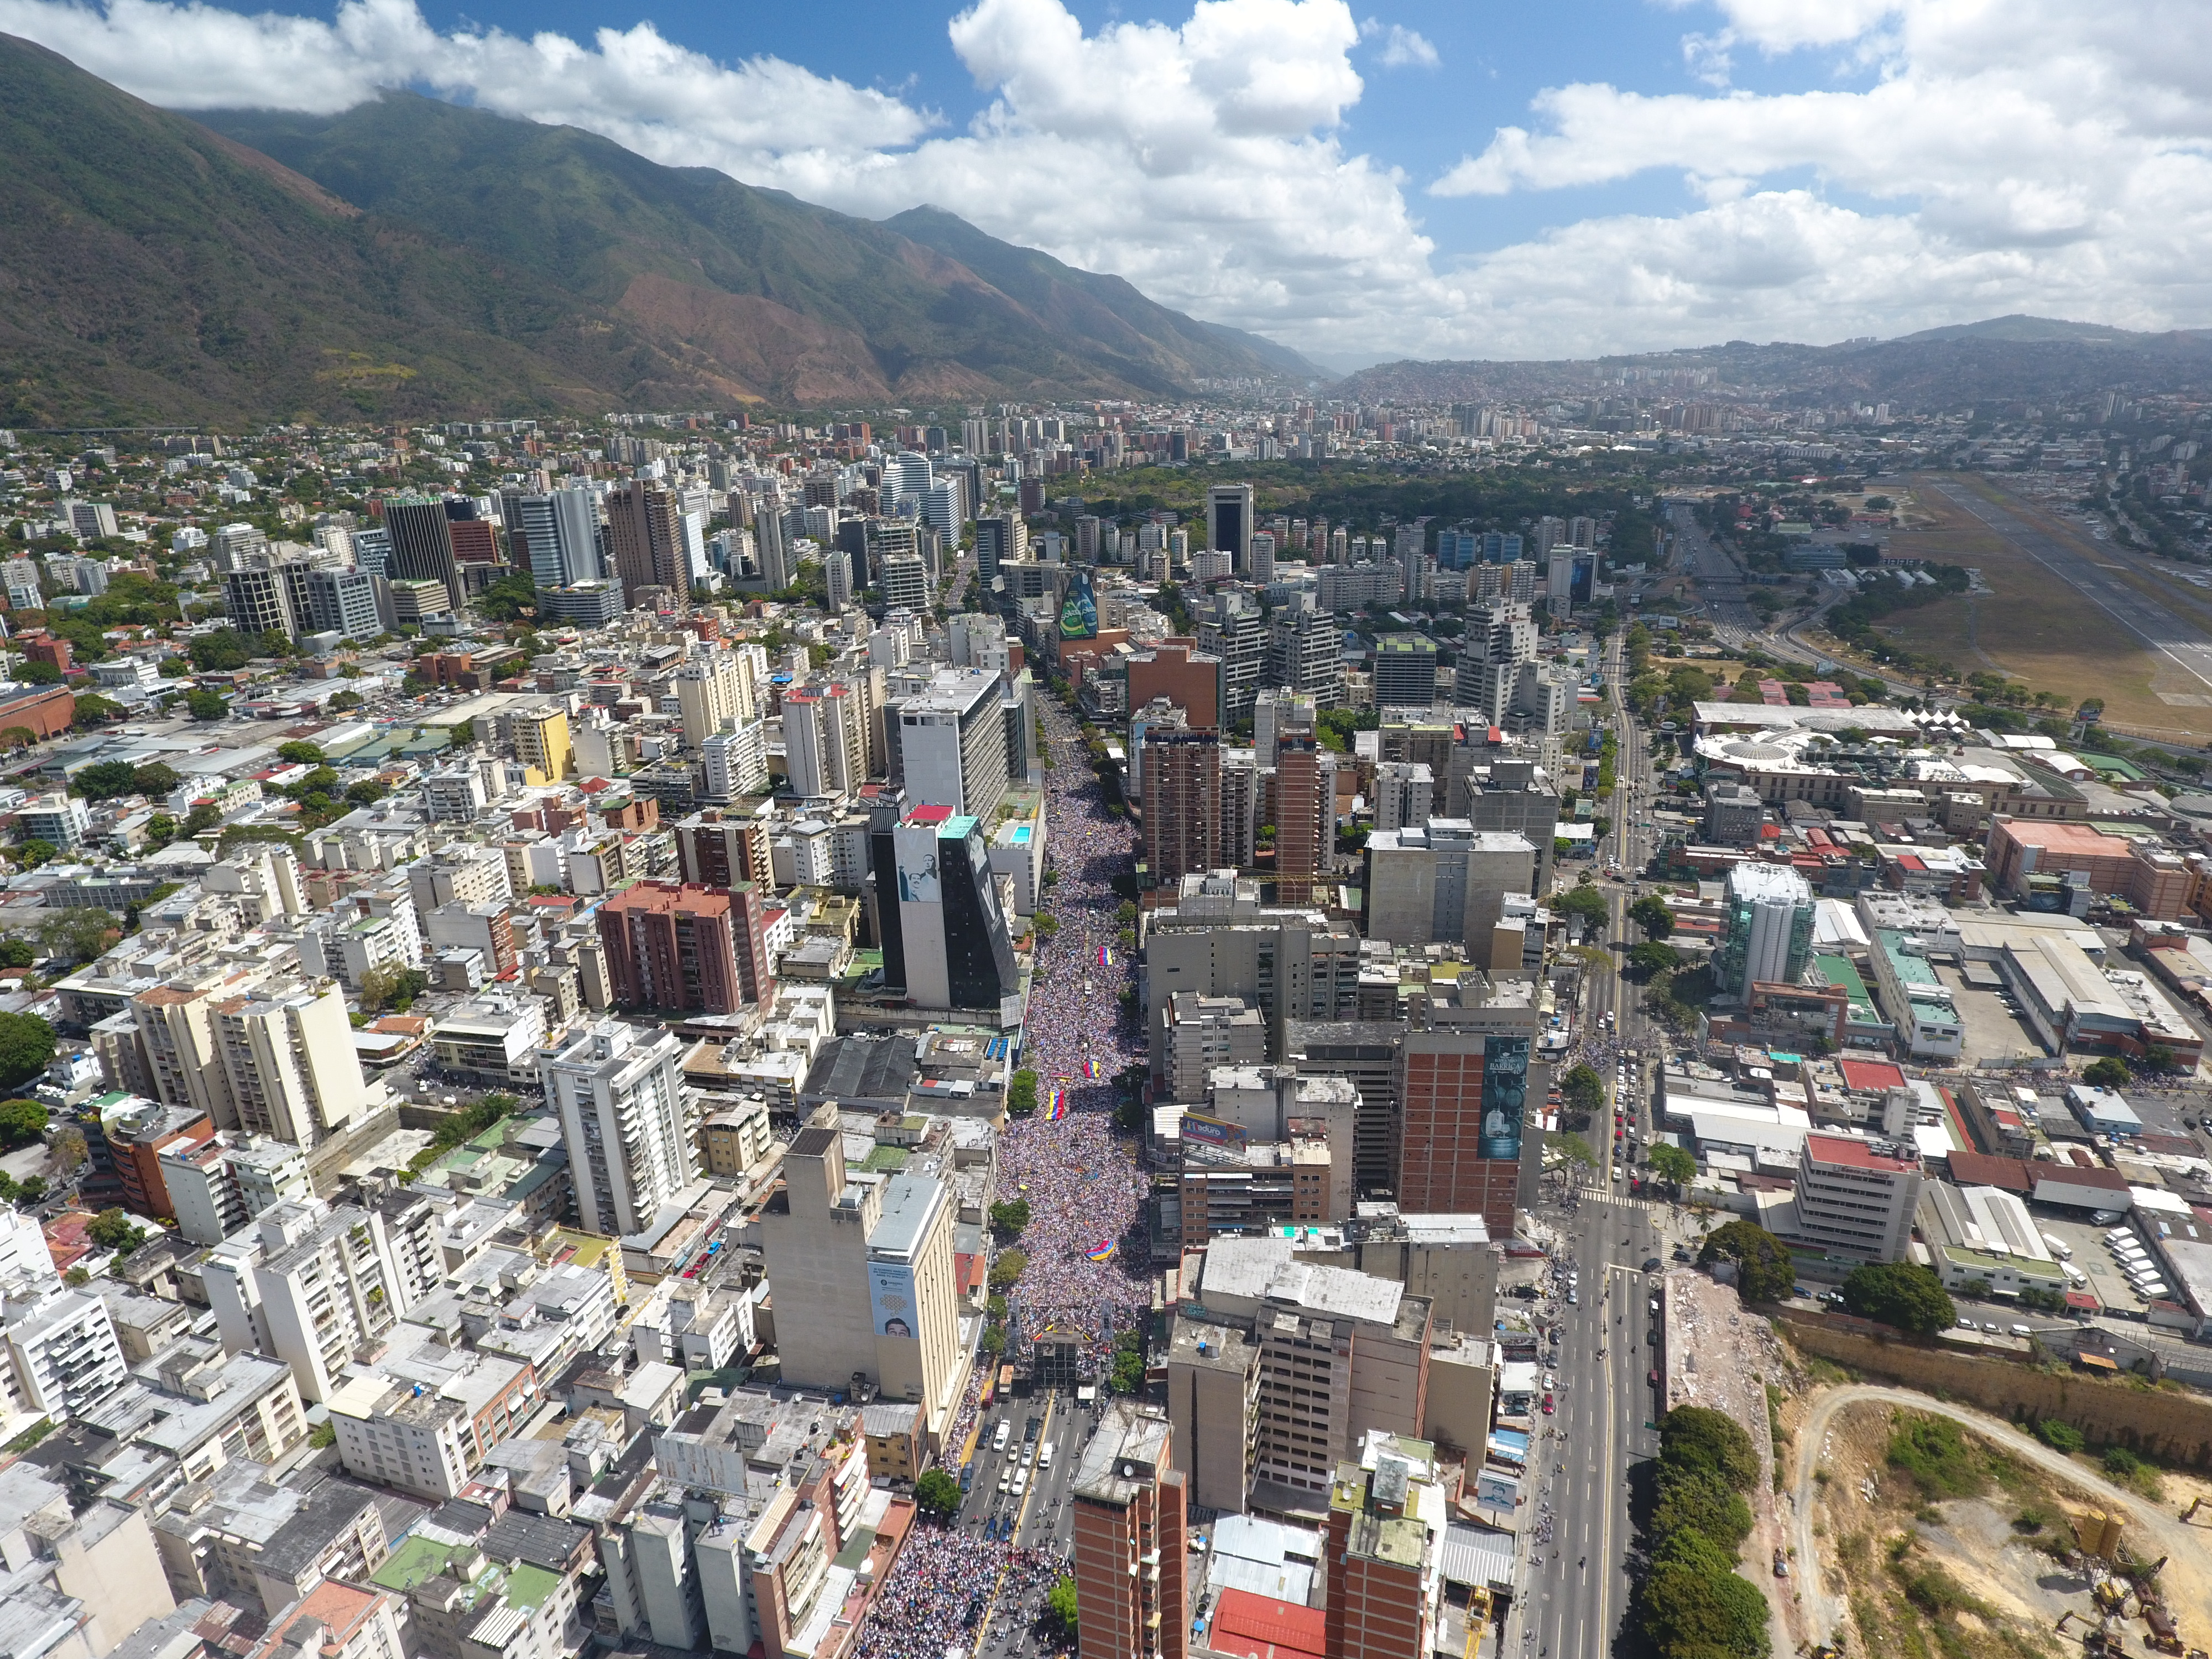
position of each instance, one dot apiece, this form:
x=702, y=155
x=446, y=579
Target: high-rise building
x=1131, y=1510
x=1405, y=671
x=1236, y=634
x=1466, y=1073
x=422, y=544
x=948, y=743
x=837, y=572
x=945, y=936
x=1216, y=940
x=1306, y=816
x=542, y=743
x=711, y=694
x=904, y=583
x=343, y=602
x=1498, y=639
x=313, y=1285
x=1442, y=882
x=1857, y=1196
x=1181, y=772
x=1305, y=654
x=713, y=850
x=560, y=532
x=1000, y=539
x=683, y=949
x=1766, y=929
x=1405, y=795
x=615, y=1091
x=288, y=1062
x=868, y=1260
x=259, y=603
x=824, y=741
x=1229, y=524
x=644, y=534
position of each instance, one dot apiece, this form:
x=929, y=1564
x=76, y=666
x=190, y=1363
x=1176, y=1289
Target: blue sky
x=1472, y=179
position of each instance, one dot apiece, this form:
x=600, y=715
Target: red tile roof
x=1260, y=1627
x=1871, y=1077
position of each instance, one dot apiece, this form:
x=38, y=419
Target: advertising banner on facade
x=1504, y=1096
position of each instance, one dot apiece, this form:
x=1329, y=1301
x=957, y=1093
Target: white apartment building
x=288, y=1056
x=400, y=1435
x=219, y=1185
x=309, y=1285
x=616, y=1089
x=1858, y=1197
x=60, y=1346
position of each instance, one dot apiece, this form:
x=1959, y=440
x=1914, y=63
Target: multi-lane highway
x=1039, y=1514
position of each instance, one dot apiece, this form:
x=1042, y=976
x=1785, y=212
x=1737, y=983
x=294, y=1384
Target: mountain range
x=1997, y=360
x=411, y=258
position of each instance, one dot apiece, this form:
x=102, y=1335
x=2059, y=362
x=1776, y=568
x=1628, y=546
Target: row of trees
x=1693, y=1603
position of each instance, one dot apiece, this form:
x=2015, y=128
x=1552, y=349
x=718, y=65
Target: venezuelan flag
x=1105, y=957
x=1099, y=1251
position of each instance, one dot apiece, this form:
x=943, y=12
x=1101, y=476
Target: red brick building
x=686, y=948
x=1130, y=1596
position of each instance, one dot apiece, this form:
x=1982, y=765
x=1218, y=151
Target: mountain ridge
x=411, y=258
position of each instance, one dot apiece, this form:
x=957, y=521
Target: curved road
x=2172, y=1535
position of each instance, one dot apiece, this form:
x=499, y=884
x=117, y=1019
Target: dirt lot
x=1939, y=1541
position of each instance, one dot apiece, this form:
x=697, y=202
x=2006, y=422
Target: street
x=1040, y=1515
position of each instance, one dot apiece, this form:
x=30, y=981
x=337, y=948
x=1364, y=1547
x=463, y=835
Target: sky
x=1434, y=178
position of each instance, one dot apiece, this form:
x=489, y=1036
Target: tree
x=1703, y=1502
x=22, y=1122
x=1652, y=914
x=1127, y=1374
x=225, y=649
x=26, y=1049
x=1008, y=1218
x=367, y=793
x=393, y=987
x=75, y=936
x=1764, y=1272
x=342, y=703
x=2110, y=1073
x=509, y=598
x=1650, y=959
x=205, y=705
x=1699, y=1440
x=38, y=673
x=937, y=1493
x=107, y=781
x=90, y=708
x=1904, y=1294
x=300, y=752
x=1586, y=901
x=16, y=953
x=1673, y=1165
x=1059, y=1606
x=31, y=853
x=1694, y=1606
x=111, y=1229
x=1022, y=1092
x=155, y=779
x=1582, y=1090
x=1008, y=1269
x=202, y=818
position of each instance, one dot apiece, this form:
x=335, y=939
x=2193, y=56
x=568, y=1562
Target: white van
x=999, y=1440
x=1044, y=1455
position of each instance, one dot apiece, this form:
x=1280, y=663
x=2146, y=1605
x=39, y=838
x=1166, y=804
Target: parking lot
x=2073, y=1228
x=1995, y=1034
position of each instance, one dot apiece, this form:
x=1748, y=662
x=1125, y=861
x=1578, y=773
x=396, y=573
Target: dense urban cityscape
x=1307, y=1024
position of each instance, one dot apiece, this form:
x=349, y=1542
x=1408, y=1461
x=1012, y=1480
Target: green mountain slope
x=410, y=258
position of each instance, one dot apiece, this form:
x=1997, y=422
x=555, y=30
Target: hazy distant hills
x=1999, y=359
x=411, y=258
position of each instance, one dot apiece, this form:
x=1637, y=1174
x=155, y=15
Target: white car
x=1021, y=1481
x=999, y=1440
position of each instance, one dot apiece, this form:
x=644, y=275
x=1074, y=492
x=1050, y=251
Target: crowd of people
x=1083, y=1190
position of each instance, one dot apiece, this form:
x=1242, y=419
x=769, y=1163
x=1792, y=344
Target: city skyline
x=1430, y=182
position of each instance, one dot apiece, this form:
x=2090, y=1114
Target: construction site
x=1927, y=1530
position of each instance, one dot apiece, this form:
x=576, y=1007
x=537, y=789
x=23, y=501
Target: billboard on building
x=1213, y=1131
x=1078, y=612
x=891, y=1298
x=1504, y=1096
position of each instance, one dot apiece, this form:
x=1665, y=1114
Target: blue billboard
x=1505, y=1096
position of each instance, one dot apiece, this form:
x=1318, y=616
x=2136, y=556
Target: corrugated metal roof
x=1472, y=1556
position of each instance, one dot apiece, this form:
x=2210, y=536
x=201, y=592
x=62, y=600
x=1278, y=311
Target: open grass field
x=2031, y=626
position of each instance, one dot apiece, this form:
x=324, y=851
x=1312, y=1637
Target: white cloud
x=1402, y=47
x=1947, y=159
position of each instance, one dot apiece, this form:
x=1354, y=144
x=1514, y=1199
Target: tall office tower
x=1181, y=772
x=1388, y=1516
x=769, y=545
x=258, y=602
x=1458, y=550
x=343, y=602
x=948, y=742
x=1229, y=524
x=1088, y=530
x=1405, y=671
x=837, y=573
x=1501, y=547
x=1559, y=581
x=1365, y=1053
x=1305, y=818
x=1466, y=1076
x=231, y=545
x=1550, y=532
x=1305, y=654
x=978, y=640
x=945, y=507
x=1766, y=929
x=825, y=742
x=1276, y=712
x=710, y=693
x=716, y=850
x=561, y=533
x=1237, y=635
x=288, y=1062
x=945, y=935
x=421, y=543
x=867, y=1259
x=1340, y=545
x=908, y=477
x=681, y=949
x=1131, y=1506
x=1001, y=540
x=1263, y=556
x=616, y=1089
x=1499, y=637
x=644, y=533
x=1216, y=940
